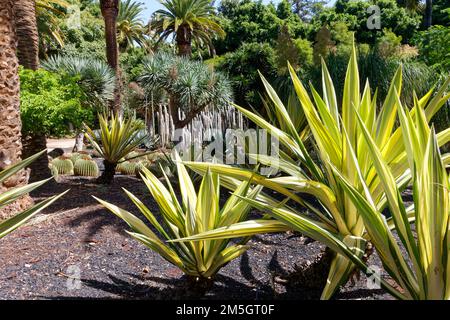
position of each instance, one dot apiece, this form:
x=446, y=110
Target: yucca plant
x=118, y=137
x=12, y=195
x=196, y=213
x=334, y=133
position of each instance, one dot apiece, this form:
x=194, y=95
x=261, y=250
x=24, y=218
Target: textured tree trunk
x=10, y=124
x=107, y=176
x=428, y=13
x=27, y=33
x=173, y=109
x=28, y=54
x=79, y=144
x=184, y=41
x=110, y=10
x=177, y=121
x=33, y=144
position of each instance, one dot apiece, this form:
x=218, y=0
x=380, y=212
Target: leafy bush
x=242, y=67
x=195, y=214
x=434, y=44
x=389, y=44
x=51, y=103
x=305, y=51
x=354, y=15
x=247, y=21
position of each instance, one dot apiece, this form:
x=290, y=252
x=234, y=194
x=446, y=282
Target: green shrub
x=389, y=44
x=434, y=44
x=242, y=67
x=51, y=104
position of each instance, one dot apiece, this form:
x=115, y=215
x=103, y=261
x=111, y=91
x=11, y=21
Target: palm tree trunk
x=110, y=10
x=184, y=41
x=28, y=54
x=10, y=123
x=428, y=13
x=33, y=144
x=27, y=33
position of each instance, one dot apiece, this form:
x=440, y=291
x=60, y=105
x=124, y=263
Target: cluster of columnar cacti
x=86, y=167
x=62, y=165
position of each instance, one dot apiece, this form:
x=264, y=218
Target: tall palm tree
x=10, y=123
x=130, y=27
x=189, y=21
x=28, y=55
x=110, y=12
x=27, y=33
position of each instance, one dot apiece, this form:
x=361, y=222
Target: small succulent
x=62, y=165
x=86, y=167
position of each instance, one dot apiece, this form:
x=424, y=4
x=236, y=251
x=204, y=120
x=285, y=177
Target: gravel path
x=39, y=260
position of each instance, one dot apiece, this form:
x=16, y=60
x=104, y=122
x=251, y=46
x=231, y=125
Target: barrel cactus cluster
x=62, y=165
x=128, y=167
x=82, y=164
x=85, y=167
x=77, y=163
x=77, y=155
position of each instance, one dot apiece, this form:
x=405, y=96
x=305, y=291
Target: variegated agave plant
x=197, y=213
x=335, y=134
x=14, y=194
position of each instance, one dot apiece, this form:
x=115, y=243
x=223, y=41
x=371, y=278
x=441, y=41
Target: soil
x=77, y=236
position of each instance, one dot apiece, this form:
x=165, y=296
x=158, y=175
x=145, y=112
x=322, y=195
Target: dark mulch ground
x=38, y=260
